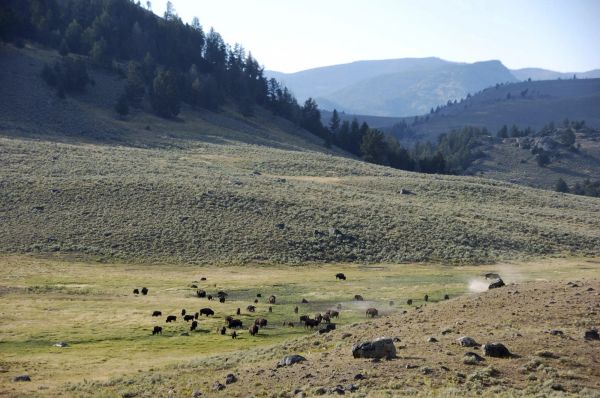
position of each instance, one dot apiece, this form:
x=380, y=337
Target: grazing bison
x=296, y=309
x=144, y=291
x=304, y=301
x=157, y=330
x=340, y=276
x=409, y=301
x=156, y=313
x=258, y=295
x=235, y=324
x=255, y=301
x=188, y=318
x=221, y=293
x=272, y=299
x=209, y=297
x=333, y=313
x=136, y=291
x=228, y=318
x=194, y=325
x=194, y=286
x=327, y=318
x=304, y=318
x=196, y=315
x=238, y=311
x=222, y=299
x=492, y=275
x=223, y=331
x=358, y=297
x=171, y=318
x=201, y=293
x=251, y=308
x=270, y=309
x=372, y=312
x=311, y=323
x=319, y=317
x=253, y=330
x=446, y=297
x=426, y=298
x=234, y=335
x=206, y=311
x=203, y=278
x=262, y=322
x=183, y=312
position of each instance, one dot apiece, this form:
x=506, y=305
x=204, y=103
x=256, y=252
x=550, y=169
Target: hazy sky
x=291, y=35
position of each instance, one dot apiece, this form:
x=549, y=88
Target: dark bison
x=270, y=309
x=223, y=331
x=492, y=275
x=171, y=318
x=426, y=298
x=235, y=324
x=340, y=276
x=188, y=318
x=372, y=312
x=156, y=330
x=258, y=295
x=194, y=325
x=203, y=278
x=409, y=301
x=221, y=299
x=327, y=318
x=446, y=297
x=251, y=308
x=304, y=301
x=136, y=291
x=221, y=293
x=156, y=313
x=496, y=284
x=238, y=311
x=228, y=318
x=194, y=286
x=319, y=317
x=255, y=301
x=262, y=322
x=304, y=318
x=201, y=293
x=144, y=291
x=358, y=297
x=206, y=311
x=253, y=330
x=183, y=312
x=209, y=297
x=311, y=323
x=272, y=299
x=296, y=309
x=196, y=315
x=333, y=313
x=234, y=335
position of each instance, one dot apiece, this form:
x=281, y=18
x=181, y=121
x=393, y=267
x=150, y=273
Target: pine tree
x=561, y=186
x=334, y=124
x=164, y=96
x=122, y=105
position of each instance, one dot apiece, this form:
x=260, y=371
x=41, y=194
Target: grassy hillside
x=526, y=104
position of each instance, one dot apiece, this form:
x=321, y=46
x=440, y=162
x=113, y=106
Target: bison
x=253, y=330
x=296, y=309
x=262, y=322
x=372, y=312
x=258, y=295
x=156, y=313
x=426, y=298
x=358, y=297
x=194, y=325
x=340, y=276
x=238, y=311
x=339, y=306
x=223, y=331
x=221, y=293
x=221, y=299
x=234, y=335
x=270, y=309
x=333, y=313
x=311, y=323
x=304, y=301
x=304, y=318
x=251, y=308
x=235, y=324
x=183, y=312
x=290, y=324
x=203, y=278
x=171, y=318
x=272, y=299
x=156, y=330
x=201, y=293
x=446, y=297
x=327, y=318
x=206, y=311
x=188, y=318
x=136, y=291
x=144, y=291
x=194, y=286
x=255, y=301
x=209, y=297
x=409, y=301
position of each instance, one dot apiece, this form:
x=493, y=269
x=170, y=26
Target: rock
x=218, y=386
x=280, y=226
x=337, y=390
x=432, y=339
x=290, y=360
x=496, y=350
x=410, y=366
x=591, y=334
x=320, y=391
x=496, y=284
x=382, y=347
x=230, y=378
x=22, y=378
x=359, y=376
x=472, y=358
x=61, y=344
x=351, y=387
x=196, y=394
x=426, y=370
x=467, y=341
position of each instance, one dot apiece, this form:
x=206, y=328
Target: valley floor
x=111, y=351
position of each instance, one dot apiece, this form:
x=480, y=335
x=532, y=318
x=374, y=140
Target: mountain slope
x=393, y=87
x=545, y=74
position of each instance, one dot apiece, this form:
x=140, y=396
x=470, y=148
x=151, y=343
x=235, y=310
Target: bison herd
x=321, y=321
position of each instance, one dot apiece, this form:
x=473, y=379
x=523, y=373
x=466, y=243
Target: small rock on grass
x=496, y=350
x=21, y=378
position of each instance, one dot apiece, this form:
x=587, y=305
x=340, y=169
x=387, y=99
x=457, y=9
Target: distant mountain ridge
x=405, y=86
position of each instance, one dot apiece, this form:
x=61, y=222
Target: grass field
x=91, y=307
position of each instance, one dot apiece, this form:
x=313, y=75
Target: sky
x=293, y=35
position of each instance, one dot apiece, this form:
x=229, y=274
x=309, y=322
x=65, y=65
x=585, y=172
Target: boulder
x=496, y=284
x=496, y=350
x=61, y=344
x=472, y=357
x=591, y=335
x=22, y=378
x=382, y=347
x=467, y=341
x=290, y=360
